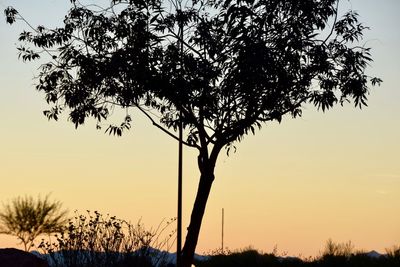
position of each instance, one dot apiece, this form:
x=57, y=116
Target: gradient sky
x=293, y=185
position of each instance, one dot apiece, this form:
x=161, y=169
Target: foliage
x=394, y=252
x=221, y=68
x=27, y=218
x=253, y=258
x=94, y=240
x=243, y=258
x=338, y=249
x=240, y=66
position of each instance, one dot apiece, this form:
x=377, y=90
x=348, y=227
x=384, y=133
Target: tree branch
x=334, y=22
x=163, y=129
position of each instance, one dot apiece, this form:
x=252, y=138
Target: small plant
x=246, y=257
x=219, y=251
x=27, y=219
x=338, y=249
x=94, y=240
x=393, y=252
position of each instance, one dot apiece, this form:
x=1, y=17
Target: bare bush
x=94, y=240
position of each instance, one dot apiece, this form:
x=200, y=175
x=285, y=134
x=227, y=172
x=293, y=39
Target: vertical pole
x=179, y=219
x=222, y=237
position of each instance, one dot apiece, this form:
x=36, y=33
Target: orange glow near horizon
x=293, y=185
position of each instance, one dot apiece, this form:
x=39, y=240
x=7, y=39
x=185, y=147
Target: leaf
x=376, y=81
x=10, y=13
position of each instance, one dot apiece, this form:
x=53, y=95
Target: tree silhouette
x=222, y=68
x=27, y=219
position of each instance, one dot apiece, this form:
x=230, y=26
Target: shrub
x=94, y=240
x=247, y=257
x=334, y=255
x=338, y=249
x=393, y=252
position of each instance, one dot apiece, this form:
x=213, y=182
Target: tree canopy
x=222, y=68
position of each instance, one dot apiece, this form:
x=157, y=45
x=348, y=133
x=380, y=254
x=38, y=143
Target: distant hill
x=161, y=258
x=157, y=257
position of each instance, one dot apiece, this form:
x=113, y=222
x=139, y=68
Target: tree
x=222, y=68
x=27, y=219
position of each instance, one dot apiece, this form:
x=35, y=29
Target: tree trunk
x=203, y=191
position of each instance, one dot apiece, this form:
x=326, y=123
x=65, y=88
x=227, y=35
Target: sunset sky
x=293, y=185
